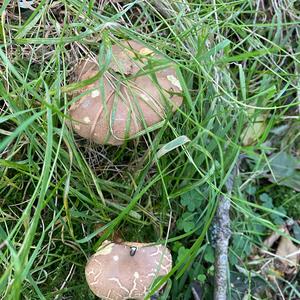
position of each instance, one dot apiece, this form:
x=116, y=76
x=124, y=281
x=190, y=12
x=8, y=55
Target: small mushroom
x=127, y=99
x=127, y=270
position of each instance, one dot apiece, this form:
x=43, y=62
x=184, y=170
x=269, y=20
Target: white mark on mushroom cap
x=115, y=257
x=86, y=120
x=95, y=93
x=105, y=248
x=146, y=51
x=174, y=81
x=136, y=275
x=77, y=127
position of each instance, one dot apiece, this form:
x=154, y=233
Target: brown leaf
x=27, y=4
x=254, y=129
x=269, y=241
x=288, y=256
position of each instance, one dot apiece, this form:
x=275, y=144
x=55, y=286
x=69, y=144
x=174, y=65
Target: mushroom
x=129, y=98
x=126, y=270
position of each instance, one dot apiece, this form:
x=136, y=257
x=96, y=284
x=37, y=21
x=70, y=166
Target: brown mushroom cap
x=112, y=273
x=125, y=100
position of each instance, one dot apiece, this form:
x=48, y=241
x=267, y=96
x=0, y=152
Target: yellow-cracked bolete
x=127, y=270
x=136, y=92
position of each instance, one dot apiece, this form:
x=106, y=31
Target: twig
x=164, y=8
x=3, y=244
x=222, y=234
x=221, y=251
x=196, y=290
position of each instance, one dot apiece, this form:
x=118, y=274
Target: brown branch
x=222, y=235
x=163, y=7
x=222, y=223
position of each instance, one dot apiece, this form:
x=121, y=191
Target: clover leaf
x=191, y=200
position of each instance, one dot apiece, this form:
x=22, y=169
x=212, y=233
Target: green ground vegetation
x=239, y=68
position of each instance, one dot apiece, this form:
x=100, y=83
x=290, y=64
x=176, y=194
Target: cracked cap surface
x=112, y=273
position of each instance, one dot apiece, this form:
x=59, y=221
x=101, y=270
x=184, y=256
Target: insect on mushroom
x=133, y=250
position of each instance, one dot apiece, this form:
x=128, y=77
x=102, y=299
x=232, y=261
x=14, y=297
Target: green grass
x=239, y=64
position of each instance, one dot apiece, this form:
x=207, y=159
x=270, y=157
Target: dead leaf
x=27, y=4
x=288, y=256
x=269, y=241
x=254, y=129
x=287, y=253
